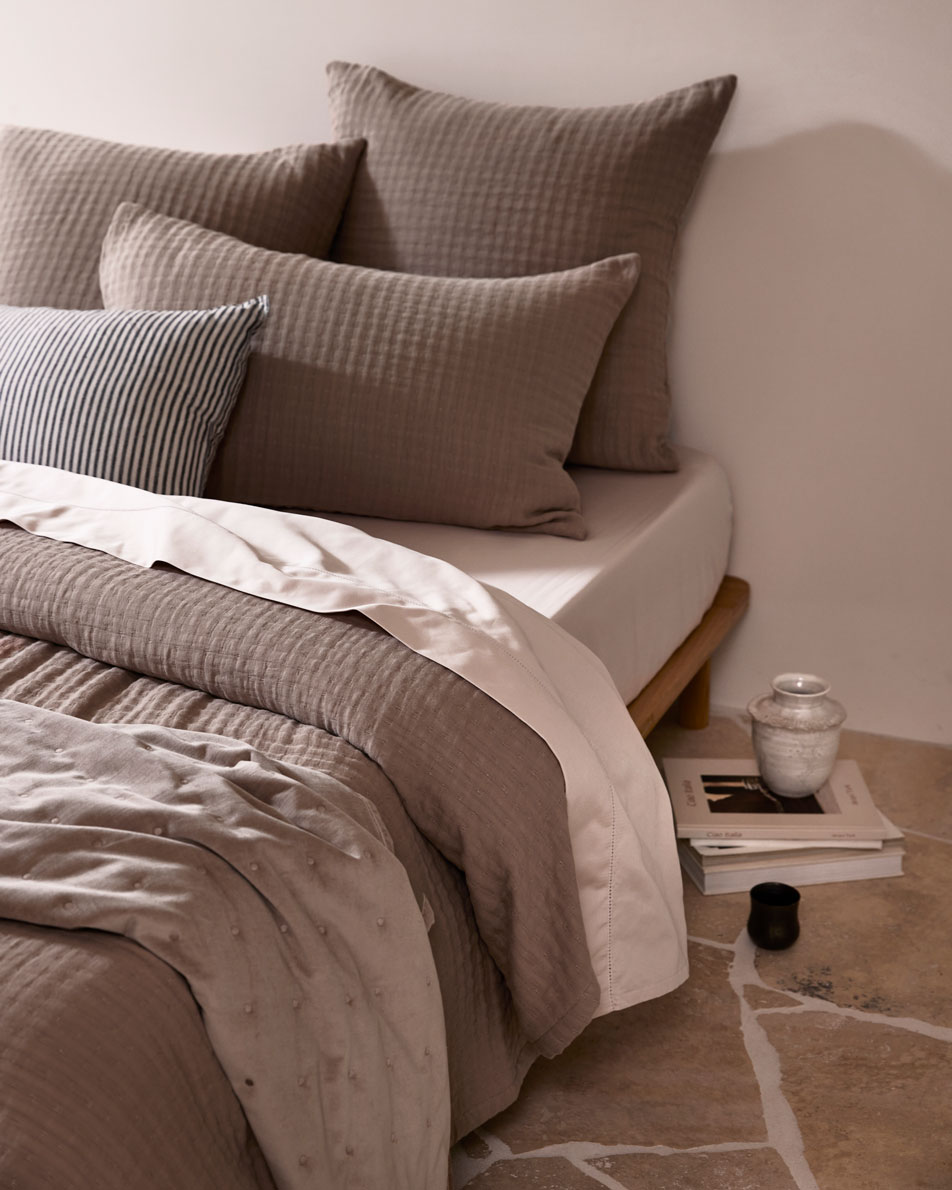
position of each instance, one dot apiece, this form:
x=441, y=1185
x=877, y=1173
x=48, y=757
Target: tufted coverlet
x=272, y=891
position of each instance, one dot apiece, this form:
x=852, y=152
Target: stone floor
x=827, y=1066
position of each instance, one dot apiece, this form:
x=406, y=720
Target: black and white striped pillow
x=141, y=397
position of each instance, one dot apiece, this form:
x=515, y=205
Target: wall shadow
x=811, y=352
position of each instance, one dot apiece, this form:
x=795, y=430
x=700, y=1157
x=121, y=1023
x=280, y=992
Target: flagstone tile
x=673, y=1071
x=533, y=1173
x=877, y=945
x=758, y=997
x=719, y=918
x=743, y=1169
x=871, y=1100
x=910, y=781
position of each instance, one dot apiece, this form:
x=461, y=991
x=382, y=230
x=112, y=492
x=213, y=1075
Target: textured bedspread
x=619, y=817
x=472, y=800
x=272, y=891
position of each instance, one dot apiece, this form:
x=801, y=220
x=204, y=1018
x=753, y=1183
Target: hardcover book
x=727, y=799
x=737, y=870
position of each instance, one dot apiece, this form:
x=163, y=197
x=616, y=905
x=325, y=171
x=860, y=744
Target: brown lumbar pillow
x=58, y=192
x=456, y=187
x=384, y=394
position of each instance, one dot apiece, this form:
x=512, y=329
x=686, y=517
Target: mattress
x=640, y=582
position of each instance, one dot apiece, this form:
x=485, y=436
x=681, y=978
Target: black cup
x=773, y=923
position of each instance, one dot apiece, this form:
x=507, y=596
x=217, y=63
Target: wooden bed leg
x=694, y=704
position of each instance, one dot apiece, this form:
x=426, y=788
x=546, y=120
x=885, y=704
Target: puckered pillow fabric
x=58, y=192
x=455, y=187
x=141, y=397
x=384, y=394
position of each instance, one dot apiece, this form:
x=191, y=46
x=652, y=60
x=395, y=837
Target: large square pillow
x=141, y=397
x=58, y=192
x=460, y=188
x=385, y=394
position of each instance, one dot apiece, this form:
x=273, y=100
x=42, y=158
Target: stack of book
x=733, y=832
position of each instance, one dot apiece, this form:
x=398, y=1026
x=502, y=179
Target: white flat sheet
x=619, y=816
x=634, y=589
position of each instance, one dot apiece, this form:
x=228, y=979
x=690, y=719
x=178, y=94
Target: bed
x=344, y=562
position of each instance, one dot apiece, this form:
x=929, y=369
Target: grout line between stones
x=812, y=1004
x=710, y=942
x=815, y=1004
x=783, y=1130
x=580, y=1152
x=925, y=835
x=596, y=1174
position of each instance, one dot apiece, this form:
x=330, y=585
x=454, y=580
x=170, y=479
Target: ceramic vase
x=796, y=733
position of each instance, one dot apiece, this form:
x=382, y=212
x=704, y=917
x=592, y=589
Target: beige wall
x=812, y=340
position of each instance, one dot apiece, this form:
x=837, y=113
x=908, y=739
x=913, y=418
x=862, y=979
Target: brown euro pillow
x=384, y=394
x=58, y=192
x=456, y=187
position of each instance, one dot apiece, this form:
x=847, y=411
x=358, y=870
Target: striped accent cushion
x=387, y=394
x=58, y=192
x=454, y=187
x=141, y=397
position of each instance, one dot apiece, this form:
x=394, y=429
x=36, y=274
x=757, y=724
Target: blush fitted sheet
x=654, y=557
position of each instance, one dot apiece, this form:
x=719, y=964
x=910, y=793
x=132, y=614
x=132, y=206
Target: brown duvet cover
x=119, y=1085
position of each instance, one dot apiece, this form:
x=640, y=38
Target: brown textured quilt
x=471, y=798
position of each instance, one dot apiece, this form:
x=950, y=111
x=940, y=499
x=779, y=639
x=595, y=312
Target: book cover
x=727, y=799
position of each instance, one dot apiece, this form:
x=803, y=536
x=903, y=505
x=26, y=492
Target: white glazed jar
x=796, y=733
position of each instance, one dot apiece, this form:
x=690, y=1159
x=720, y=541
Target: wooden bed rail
x=686, y=675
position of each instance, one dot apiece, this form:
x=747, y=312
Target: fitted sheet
x=654, y=557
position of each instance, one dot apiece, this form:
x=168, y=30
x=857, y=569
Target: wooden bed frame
x=685, y=677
